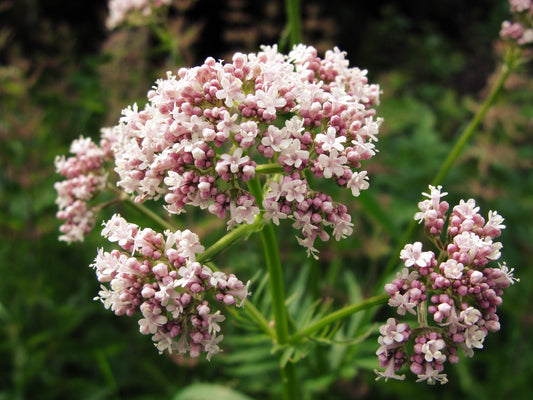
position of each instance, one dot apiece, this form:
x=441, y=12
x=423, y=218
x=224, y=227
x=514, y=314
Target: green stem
x=258, y=318
x=472, y=126
x=277, y=289
x=277, y=293
x=289, y=382
x=168, y=42
x=232, y=236
x=452, y=157
x=272, y=168
x=145, y=210
x=338, y=315
x=294, y=24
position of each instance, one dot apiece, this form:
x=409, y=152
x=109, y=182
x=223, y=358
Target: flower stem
x=293, y=21
x=472, y=126
x=169, y=42
x=145, y=210
x=258, y=318
x=338, y=315
x=469, y=131
x=277, y=293
x=232, y=236
x=272, y=168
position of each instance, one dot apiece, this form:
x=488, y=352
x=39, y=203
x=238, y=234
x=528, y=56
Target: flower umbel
x=520, y=29
x=121, y=11
x=85, y=177
x=457, y=289
x=157, y=276
x=207, y=130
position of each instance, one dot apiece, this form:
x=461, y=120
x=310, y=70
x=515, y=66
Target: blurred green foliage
x=64, y=78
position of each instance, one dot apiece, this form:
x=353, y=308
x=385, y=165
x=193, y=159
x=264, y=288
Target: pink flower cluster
x=120, y=10
x=85, y=177
x=158, y=276
x=521, y=29
x=208, y=130
x=456, y=288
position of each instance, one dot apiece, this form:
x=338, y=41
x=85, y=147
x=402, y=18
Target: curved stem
x=229, y=238
x=452, y=157
x=123, y=196
x=338, y=315
x=258, y=318
x=472, y=126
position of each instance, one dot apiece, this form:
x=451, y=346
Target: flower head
x=520, y=29
x=205, y=132
x=156, y=275
x=122, y=10
x=462, y=295
x=85, y=177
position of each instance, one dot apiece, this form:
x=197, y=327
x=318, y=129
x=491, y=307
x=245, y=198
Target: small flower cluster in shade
x=85, y=177
x=521, y=28
x=120, y=10
x=208, y=130
x=157, y=275
x=455, y=294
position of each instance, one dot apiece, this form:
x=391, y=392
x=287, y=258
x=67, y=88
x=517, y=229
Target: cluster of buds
x=208, y=130
x=521, y=28
x=121, y=11
x=85, y=177
x=454, y=295
x=157, y=275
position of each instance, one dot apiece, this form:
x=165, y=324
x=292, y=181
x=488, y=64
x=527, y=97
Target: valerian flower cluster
x=85, y=177
x=208, y=130
x=157, y=275
x=122, y=10
x=203, y=135
x=520, y=29
x=456, y=289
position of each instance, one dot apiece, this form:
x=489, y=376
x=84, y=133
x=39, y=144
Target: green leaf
x=208, y=391
x=286, y=356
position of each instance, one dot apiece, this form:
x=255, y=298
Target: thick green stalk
x=277, y=290
x=294, y=24
x=277, y=293
x=272, y=168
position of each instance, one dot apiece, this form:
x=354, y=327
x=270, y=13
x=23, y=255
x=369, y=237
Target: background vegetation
x=62, y=74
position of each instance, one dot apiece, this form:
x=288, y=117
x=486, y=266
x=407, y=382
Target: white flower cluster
x=208, y=130
x=457, y=289
x=120, y=10
x=158, y=276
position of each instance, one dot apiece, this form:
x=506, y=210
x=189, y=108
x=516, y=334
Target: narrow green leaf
x=285, y=357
